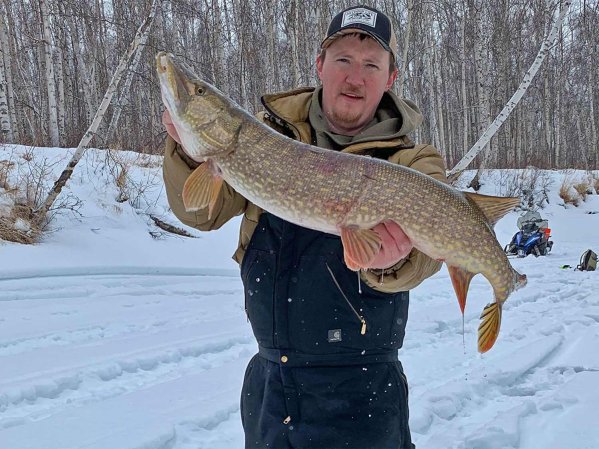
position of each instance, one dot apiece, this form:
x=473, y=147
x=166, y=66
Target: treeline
x=461, y=62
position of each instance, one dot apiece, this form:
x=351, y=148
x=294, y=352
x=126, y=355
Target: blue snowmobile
x=532, y=238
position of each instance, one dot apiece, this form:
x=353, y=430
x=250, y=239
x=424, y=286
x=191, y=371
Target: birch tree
x=53, y=127
x=6, y=126
x=252, y=47
x=509, y=107
x=140, y=36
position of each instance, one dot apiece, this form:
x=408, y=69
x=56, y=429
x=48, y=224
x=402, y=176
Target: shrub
x=568, y=193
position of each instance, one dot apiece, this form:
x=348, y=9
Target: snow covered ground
x=113, y=339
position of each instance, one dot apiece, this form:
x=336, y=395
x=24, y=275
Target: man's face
x=354, y=75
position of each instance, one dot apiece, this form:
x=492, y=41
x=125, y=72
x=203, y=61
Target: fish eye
x=200, y=90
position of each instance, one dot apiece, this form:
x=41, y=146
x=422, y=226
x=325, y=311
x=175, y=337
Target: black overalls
x=318, y=382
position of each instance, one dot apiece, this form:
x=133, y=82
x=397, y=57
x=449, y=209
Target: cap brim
x=329, y=40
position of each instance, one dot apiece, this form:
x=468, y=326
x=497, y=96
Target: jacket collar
x=291, y=110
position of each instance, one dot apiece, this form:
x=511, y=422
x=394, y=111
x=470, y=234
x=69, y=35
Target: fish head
x=208, y=124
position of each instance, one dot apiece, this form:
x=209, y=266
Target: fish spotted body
x=337, y=193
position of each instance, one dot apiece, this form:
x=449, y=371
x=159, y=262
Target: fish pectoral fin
x=460, y=279
x=488, y=330
x=201, y=189
x=360, y=246
x=493, y=207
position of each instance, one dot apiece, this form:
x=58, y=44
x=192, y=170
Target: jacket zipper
x=360, y=317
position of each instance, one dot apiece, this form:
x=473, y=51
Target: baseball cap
x=365, y=20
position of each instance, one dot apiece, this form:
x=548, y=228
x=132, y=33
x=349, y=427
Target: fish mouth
x=175, y=86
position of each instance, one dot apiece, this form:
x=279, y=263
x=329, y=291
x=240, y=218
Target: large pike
x=337, y=193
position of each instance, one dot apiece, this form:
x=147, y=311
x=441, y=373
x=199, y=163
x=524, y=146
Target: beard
x=345, y=117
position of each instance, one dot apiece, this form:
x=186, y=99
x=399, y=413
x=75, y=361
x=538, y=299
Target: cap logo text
x=359, y=15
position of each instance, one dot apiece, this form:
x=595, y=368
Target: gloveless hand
x=395, y=245
x=170, y=127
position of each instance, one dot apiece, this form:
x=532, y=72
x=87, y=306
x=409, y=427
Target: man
x=327, y=373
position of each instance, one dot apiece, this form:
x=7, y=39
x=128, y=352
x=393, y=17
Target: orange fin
x=488, y=330
x=360, y=246
x=493, y=207
x=460, y=279
x=201, y=189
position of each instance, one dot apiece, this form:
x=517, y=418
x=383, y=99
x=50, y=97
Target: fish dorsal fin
x=360, y=246
x=493, y=207
x=201, y=189
x=460, y=279
x=488, y=330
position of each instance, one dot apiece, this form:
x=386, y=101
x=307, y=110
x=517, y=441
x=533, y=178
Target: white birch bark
x=10, y=68
x=142, y=32
x=295, y=65
x=89, y=91
x=547, y=122
x=272, y=76
x=7, y=122
x=593, y=145
x=126, y=85
x=465, y=111
x=6, y=134
x=405, y=46
x=219, y=57
x=438, y=81
x=511, y=104
x=61, y=106
x=53, y=128
x=482, y=63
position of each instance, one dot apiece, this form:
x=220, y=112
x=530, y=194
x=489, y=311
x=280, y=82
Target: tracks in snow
x=72, y=343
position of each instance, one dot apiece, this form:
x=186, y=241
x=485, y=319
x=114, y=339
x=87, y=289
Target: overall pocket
x=257, y=274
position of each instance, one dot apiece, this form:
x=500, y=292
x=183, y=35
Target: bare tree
x=460, y=62
x=53, y=127
x=140, y=36
x=491, y=130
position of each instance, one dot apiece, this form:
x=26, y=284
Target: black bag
x=588, y=261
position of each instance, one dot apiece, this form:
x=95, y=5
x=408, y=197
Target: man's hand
x=170, y=127
x=167, y=121
x=395, y=245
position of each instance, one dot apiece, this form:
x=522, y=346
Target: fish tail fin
x=488, y=330
x=520, y=280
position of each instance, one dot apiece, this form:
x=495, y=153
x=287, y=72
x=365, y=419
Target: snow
x=112, y=338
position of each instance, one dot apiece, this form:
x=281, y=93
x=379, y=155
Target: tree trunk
x=126, y=86
x=464, y=90
x=593, y=144
x=53, y=127
x=292, y=27
x=42, y=213
x=6, y=123
x=61, y=106
x=405, y=46
x=509, y=107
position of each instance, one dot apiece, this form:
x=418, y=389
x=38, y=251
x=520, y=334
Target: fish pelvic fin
x=460, y=279
x=360, y=246
x=201, y=188
x=488, y=330
x=494, y=208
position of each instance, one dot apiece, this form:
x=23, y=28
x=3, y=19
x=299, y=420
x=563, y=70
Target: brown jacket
x=288, y=113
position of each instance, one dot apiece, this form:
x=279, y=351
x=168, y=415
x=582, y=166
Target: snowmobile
x=532, y=238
